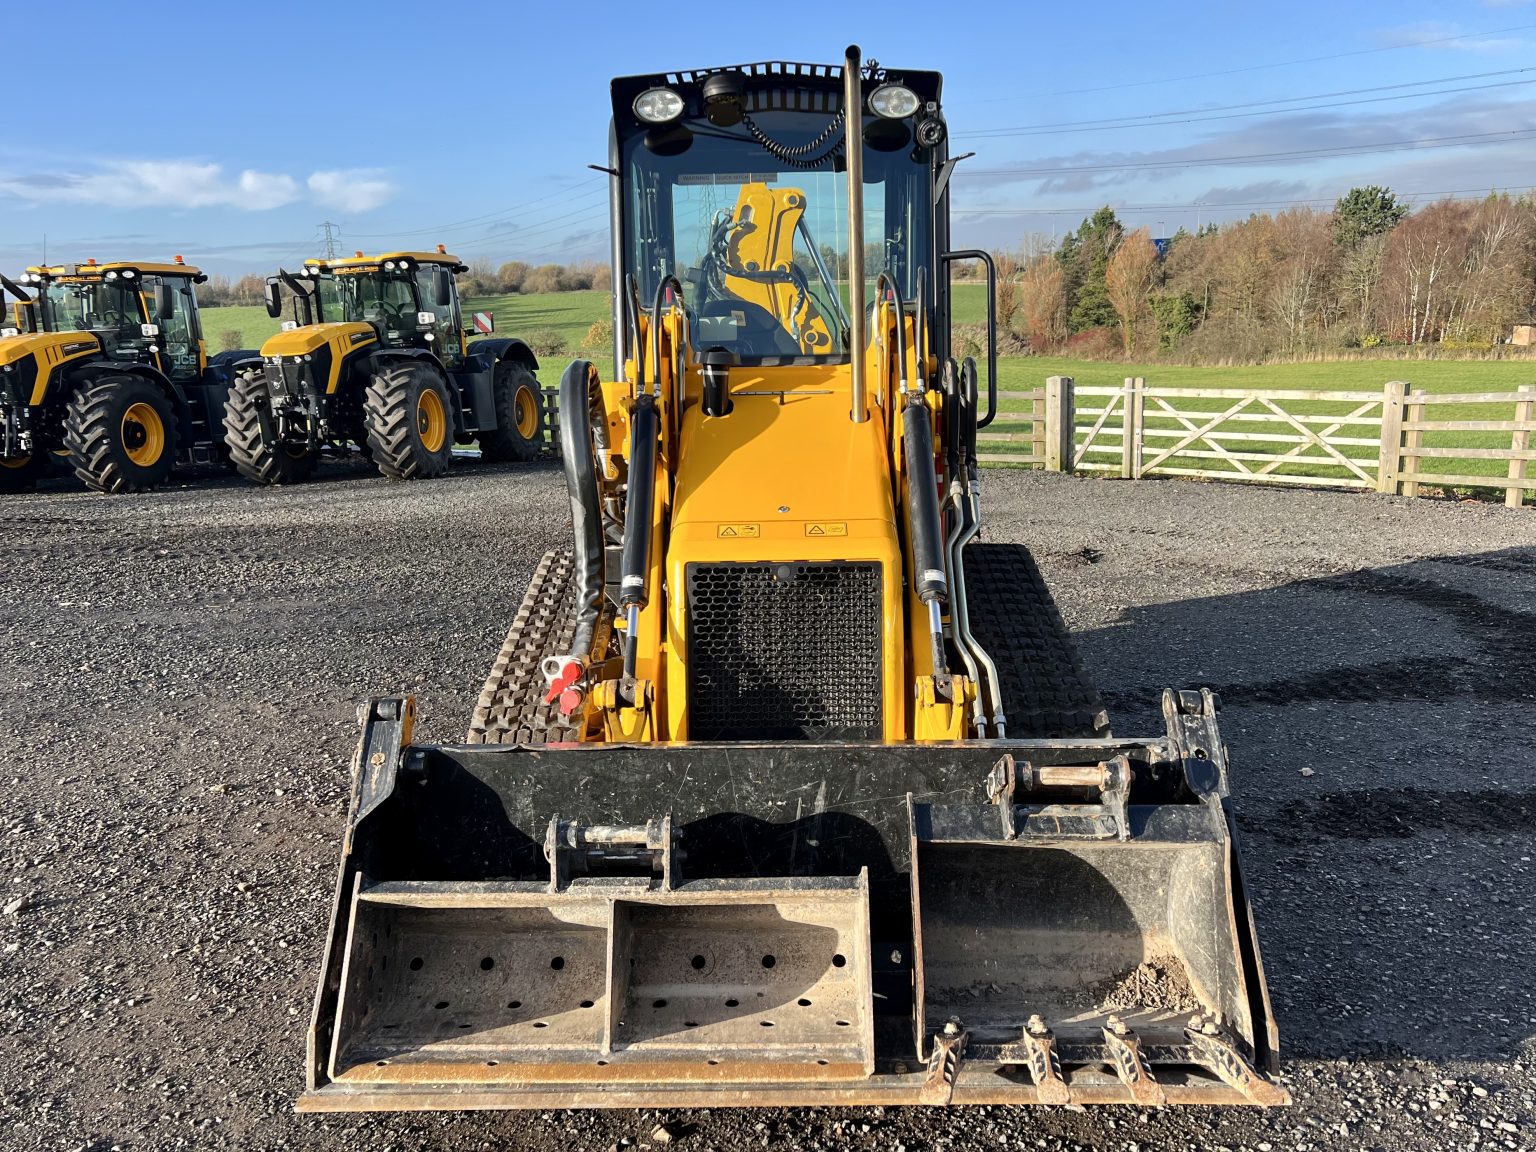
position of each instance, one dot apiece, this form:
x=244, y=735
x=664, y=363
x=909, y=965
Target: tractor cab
x=408, y=299
x=138, y=313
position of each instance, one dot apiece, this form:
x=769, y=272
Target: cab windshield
x=387, y=298
x=92, y=306
x=761, y=245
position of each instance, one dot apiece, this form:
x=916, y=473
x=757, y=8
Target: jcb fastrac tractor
x=785, y=789
x=106, y=367
x=375, y=354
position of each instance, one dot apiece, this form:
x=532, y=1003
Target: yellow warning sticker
x=738, y=531
x=826, y=528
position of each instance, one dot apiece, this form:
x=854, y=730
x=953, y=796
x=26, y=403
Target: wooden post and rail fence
x=1375, y=441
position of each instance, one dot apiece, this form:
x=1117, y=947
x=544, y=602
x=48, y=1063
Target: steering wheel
x=114, y=319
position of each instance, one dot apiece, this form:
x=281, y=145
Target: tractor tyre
x=251, y=454
x=1046, y=689
x=121, y=434
x=21, y=474
x=519, y=431
x=410, y=422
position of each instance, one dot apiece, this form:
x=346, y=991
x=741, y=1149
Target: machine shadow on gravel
x=1380, y=725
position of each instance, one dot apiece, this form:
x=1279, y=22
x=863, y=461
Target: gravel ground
x=179, y=708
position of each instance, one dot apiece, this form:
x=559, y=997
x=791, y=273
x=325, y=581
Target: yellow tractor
x=785, y=789
x=105, y=367
x=374, y=354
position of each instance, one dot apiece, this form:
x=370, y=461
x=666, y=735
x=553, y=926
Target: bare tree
x=1128, y=277
x=1009, y=296
x=1043, y=300
x=1421, y=267
x=1305, y=248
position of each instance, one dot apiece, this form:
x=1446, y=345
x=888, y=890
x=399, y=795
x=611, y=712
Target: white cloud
x=351, y=189
x=155, y=184
x=194, y=184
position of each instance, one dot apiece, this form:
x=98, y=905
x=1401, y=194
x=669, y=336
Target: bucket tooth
x=944, y=1063
x=1124, y=1048
x=1036, y=1050
x=1212, y=1046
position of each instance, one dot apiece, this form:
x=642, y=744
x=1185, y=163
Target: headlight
x=893, y=102
x=129, y=273
x=658, y=105
x=110, y=276
x=389, y=265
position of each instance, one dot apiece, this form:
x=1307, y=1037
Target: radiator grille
x=784, y=651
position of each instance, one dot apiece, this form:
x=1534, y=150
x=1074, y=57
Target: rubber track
x=252, y=456
x=88, y=437
x=389, y=416
x=1047, y=692
x=511, y=709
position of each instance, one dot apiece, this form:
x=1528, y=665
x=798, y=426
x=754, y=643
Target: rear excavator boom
x=785, y=789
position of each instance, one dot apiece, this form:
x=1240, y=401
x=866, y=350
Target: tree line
x=483, y=278
x=1370, y=272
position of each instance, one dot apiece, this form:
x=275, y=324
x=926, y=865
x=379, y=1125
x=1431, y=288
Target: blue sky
x=229, y=132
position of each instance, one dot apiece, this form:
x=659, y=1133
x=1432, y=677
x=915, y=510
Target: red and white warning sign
x=485, y=323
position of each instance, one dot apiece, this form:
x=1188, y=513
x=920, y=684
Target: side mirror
x=165, y=301
x=442, y=286
x=273, y=295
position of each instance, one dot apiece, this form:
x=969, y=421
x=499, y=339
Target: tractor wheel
x=409, y=422
x=252, y=455
x=519, y=432
x=121, y=434
x=21, y=473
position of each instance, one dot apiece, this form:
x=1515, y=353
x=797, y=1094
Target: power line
x=1156, y=119
x=502, y=212
x=1426, y=144
x=1255, y=67
x=1206, y=204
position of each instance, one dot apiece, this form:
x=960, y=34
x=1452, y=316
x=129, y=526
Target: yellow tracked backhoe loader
x=785, y=789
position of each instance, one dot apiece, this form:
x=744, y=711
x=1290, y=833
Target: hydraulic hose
x=676, y=286
x=884, y=283
x=577, y=432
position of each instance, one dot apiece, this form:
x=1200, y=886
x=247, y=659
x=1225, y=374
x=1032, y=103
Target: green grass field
x=569, y=315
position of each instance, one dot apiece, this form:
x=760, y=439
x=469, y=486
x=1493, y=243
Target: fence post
x=1138, y=423
x=1520, y=441
x=1130, y=425
x=1408, y=462
x=1060, y=418
x=1391, y=436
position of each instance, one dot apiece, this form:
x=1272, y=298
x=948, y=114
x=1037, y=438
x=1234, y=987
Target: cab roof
x=360, y=262
x=90, y=270
x=769, y=85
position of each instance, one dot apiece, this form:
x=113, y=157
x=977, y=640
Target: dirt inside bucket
x=1159, y=982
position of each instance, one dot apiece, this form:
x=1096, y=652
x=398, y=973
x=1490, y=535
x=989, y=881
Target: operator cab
x=734, y=181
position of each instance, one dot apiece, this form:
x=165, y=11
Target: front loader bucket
x=985, y=922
